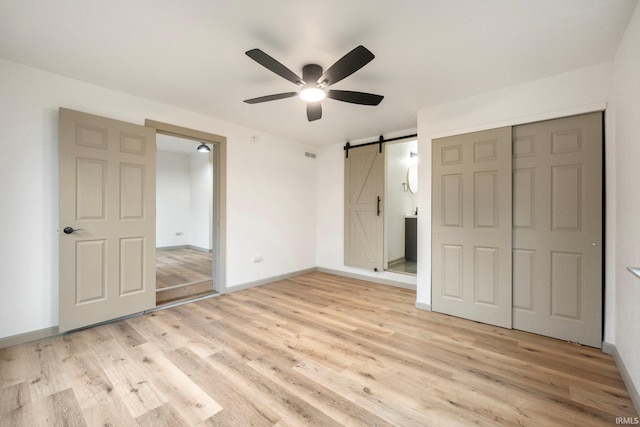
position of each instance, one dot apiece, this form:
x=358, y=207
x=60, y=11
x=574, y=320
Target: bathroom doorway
x=401, y=211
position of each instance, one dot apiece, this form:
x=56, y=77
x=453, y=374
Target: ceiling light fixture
x=312, y=94
x=203, y=148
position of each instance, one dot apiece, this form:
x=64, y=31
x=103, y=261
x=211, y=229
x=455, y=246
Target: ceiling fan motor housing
x=311, y=73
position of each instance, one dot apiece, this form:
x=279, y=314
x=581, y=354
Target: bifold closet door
x=557, y=236
x=471, y=226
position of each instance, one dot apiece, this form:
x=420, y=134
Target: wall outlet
x=257, y=258
x=178, y=233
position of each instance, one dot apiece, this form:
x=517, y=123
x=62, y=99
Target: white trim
x=267, y=280
x=631, y=389
x=515, y=121
x=28, y=336
x=377, y=280
x=423, y=306
x=608, y=348
x=171, y=248
x=200, y=249
x=180, y=302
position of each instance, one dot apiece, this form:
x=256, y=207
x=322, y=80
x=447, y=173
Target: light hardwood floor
x=313, y=350
x=182, y=273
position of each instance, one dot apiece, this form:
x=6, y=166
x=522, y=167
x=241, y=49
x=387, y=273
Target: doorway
x=401, y=211
x=191, y=214
x=184, y=204
x=380, y=212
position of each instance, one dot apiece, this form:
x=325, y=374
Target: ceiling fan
x=314, y=83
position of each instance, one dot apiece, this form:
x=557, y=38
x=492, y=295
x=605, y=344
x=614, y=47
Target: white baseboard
x=423, y=306
x=173, y=248
x=268, y=280
x=200, y=249
x=608, y=348
x=378, y=280
x=631, y=388
x=28, y=336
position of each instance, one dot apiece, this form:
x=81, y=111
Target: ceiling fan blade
x=314, y=111
x=361, y=98
x=271, y=97
x=271, y=64
x=347, y=65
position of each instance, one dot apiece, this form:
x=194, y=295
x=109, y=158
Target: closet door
x=471, y=226
x=557, y=237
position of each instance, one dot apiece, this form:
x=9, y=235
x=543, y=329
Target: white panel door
x=471, y=226
x=557, y=220
x=107, y=219
x=363, y=220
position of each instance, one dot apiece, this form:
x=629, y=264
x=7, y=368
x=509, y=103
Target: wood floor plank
x=14, y=397
x=336, y=406
x=238, y=409
x=191, y=402
x=397, y=410
x=108, y=411
x=130, y=383
x=315, y=349
x=162, y=416
x=50, y=377
x=287, y=404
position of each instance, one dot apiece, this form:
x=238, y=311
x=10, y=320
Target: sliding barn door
x=557, y=245
x=471, y=226
x=363, y=220
x=107, y=219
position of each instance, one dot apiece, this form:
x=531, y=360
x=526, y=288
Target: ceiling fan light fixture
x=312, y=94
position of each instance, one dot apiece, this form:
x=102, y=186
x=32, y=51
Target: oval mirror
x=412, y=178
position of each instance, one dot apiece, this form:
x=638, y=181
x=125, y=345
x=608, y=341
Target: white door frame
x=219, y=193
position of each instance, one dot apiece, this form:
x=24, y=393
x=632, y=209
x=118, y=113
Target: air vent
x=310, y=155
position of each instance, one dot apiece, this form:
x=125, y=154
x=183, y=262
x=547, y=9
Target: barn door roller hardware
x=380, y=141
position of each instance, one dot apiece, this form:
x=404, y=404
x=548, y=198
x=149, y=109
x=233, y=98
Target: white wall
x=330, y=214
x=271, y=199
x=173, y=199
x=201, y=183
x=626, y=134
x=397, y=202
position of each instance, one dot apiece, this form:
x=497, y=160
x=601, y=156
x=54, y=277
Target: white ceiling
x=190, y=53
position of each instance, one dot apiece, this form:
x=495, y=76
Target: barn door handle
x=378, y=213
x=69, y=230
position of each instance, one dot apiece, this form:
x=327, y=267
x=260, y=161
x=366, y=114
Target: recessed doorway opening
x=401, y=206
x=190, y=238
x=184, y=219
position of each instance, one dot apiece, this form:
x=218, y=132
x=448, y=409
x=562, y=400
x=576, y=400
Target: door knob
x=69, y=230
